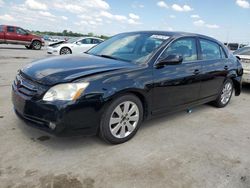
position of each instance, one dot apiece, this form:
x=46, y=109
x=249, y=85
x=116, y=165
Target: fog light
x=52, y=125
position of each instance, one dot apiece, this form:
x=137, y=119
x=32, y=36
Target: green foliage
x=67, y=33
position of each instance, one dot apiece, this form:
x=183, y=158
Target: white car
x=73, y=46
x=244, y=55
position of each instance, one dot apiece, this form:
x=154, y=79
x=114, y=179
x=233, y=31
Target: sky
x=226, y=20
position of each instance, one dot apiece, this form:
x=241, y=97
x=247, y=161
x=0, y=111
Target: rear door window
x=210, y=50
x=10, y=29
x=96, y=41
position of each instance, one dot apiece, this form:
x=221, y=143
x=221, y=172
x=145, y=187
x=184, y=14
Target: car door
x=83, y=45
x=176, y=86
x=215, y=67
x=22, y=36
x=10, y=35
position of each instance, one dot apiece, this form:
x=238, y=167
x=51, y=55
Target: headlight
x=65, y=92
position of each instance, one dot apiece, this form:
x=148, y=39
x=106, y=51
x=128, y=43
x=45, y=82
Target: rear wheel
x=65, y=51
x=225, y=95
x=36, y=45
x=122, y=119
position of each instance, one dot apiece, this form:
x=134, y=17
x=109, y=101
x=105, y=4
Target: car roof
x=176, y=34
x=81, y=38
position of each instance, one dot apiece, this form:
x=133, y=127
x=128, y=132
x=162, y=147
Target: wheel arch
x=139, y=94
x=65, y=47
x=36, y=39
x=236, y=82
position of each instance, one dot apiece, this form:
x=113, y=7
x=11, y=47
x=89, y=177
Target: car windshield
x=131, y=47
x=72, y=40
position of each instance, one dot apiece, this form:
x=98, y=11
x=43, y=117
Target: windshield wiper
x=108, y=56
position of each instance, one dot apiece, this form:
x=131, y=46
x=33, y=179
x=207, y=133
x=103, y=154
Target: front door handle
x=196, y=71
x=226, y=67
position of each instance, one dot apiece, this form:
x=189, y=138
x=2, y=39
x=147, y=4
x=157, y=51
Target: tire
x=65, y=51
x=125, y=122
x=36, y=45
x=28, y=47
x=225, y=94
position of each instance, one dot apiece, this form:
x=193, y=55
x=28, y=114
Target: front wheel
x=65, y=51
x=122, y=119
x=225, y=95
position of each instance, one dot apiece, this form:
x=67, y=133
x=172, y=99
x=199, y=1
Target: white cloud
x=212, y=26
x=98, y=4
x=64, y=17
x=112, y=16
x=134, y=16
x=179, y=8
x=46, y=14
x=243, y=3
x=172, y=16
x=162, y=4
x=7, y=17
x=106, y=14
x=201, y=23
x=133, y=22
x=195, y=16
x=137, y=5
x=32, y=4
x=119, y=17
x=1, y=3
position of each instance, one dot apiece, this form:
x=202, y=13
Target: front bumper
x=71, y=118
x=53, y=51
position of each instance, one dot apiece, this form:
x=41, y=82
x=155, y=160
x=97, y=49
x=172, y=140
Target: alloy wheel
x=124, y=119
x=65, y=51
x=36, y=45
x=226, y=93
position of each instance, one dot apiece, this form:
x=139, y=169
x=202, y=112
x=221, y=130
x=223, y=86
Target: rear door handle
x=196, y=71
x=226, y=67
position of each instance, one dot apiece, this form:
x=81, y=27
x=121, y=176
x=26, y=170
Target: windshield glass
x=131, y=47
x=72, y=40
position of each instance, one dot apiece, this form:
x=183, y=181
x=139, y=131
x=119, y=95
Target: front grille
x=25, y=86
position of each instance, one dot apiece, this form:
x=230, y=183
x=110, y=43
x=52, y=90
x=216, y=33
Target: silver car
x=244, y=55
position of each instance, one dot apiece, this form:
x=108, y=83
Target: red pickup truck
x=17, y=35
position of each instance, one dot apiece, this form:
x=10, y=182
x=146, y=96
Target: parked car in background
x=244, y=56
x=73, y=46
x=234, y=46
x=17, y=35
x=128, y=78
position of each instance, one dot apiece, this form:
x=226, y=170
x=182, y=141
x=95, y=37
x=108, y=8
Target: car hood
x=35, y=36
x=57, y=43
x=61, y=69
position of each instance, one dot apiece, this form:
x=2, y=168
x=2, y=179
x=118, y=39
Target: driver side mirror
x=78, y=43
x=170, y=60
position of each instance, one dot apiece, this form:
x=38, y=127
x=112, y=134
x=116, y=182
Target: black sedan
x=123, y=81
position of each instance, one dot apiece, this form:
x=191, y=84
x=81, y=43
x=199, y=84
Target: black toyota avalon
x=111, y=89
